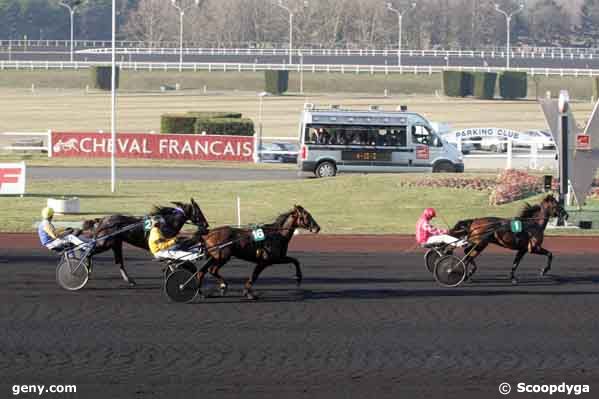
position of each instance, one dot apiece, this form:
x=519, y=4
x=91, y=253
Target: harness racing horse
x=223, y=243
x=174, y=219
x=481, y=232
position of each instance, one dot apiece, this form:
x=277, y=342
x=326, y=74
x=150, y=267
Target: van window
x=380, y=136
x=422, y=135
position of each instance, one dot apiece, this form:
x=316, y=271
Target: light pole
x=258, y=135
x=113, y=103
x=400, y=14
x=72, y=10
x=508, y=18
x=181, y=14
x=284, y=7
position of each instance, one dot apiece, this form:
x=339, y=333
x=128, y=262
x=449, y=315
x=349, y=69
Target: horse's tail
x=461, y=228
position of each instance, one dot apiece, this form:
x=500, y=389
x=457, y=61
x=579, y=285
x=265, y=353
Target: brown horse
x=484, y=231
x=133, y=231
x=223, y=243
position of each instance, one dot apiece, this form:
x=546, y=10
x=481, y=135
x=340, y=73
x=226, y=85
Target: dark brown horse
x=175, y=218
x=225, y=242
x=492, y=230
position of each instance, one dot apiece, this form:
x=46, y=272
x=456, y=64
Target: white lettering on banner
x=135, y=145
x=12, y=178
x=486, y=132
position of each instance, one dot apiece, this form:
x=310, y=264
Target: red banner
x=154, y=146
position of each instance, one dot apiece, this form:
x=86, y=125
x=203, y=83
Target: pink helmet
x=429, y=213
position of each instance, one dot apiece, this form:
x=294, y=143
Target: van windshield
x=356, y=135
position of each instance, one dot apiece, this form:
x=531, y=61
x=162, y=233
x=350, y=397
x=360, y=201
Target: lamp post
x=284, y=7
x=563, y=104
x=258, y=135
x=400, y=15
x=113, y=103
x=181, y=14
x=508, y=19
x=72, y=10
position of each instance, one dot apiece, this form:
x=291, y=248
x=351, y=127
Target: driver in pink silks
x=427, y=234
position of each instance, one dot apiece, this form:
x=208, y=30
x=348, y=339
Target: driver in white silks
x=50, y=237
x=427, y=234
x=167, y=248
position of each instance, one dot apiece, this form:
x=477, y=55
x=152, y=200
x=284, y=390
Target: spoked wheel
x=72, y=272
x=189, y=266
x=181, y=286
x=450, y=271
x=430, y=259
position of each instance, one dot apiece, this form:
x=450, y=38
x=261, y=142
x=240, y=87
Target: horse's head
x=553, y=207
x=304, y=219
x=197, y=217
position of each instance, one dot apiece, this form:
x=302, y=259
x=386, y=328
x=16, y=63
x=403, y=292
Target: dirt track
x=362, y=325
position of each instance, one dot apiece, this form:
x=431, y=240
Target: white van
x=337, y=140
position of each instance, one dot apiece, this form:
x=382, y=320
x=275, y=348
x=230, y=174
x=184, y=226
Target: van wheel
x=325, y=169
x=444, y=167
x=493, y=148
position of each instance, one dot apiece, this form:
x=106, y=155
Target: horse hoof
x=223, y=291
x=250, y=295
x=544, y=272
x=131, y=283
x=298, y=281
x=514, y=281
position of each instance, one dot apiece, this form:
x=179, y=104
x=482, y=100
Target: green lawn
x=344, y=204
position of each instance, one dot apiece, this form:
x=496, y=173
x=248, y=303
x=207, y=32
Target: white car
x=543, y=140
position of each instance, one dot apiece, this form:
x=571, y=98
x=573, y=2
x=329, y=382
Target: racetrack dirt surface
x=372, y=325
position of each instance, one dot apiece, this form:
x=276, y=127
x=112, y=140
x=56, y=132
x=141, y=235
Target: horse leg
x=247, y=291
x=222, y=284
x=471, y=252
x=117, y=249
x=517, y=259
x=201, y=273
x=548, y=254
x=298, y=270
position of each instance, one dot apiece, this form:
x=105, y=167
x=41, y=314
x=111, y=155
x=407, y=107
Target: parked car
x=279, y=146
x=543, y=139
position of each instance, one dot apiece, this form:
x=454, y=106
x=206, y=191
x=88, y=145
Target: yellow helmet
x=47, y=213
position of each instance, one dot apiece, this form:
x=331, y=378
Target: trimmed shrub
x=457, y=84
x=208, y=114
x=185, y=123
x=101, y=77
x=276, y=82
x=596, y=88
x=177, y=123
x=513, y=85
x=225, y=126
x=484, y=85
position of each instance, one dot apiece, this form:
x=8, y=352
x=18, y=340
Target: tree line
x=447, y=24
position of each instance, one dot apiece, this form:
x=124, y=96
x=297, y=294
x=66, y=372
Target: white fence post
x=238, y=212
x=534, y=153
x=49, y=143
x=509, y=154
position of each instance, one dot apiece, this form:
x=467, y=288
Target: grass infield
x=349, y=204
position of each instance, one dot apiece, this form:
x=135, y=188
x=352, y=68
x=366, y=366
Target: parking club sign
x=12, y=178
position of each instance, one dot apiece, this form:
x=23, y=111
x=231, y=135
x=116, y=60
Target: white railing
x=534, y=157
x=515, y=53
x=254, y=67
x=46, y=145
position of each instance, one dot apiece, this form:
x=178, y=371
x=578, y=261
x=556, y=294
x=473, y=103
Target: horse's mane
x=528, y=211
x=281, y=219
x=161, y=210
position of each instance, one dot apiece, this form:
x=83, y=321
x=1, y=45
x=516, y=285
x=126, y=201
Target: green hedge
x=596, y=88
x=513, y=85
x=276, y=82
x=177, y=123
x=457, y=84
x=484, y=85
x=101, y=77
x=202, y=114
x=225, y=126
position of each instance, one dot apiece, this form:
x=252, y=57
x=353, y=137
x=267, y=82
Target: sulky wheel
x=72, y=272
x=450, y=271
x=189, y=266
x=430, y=259
x=181, y=286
